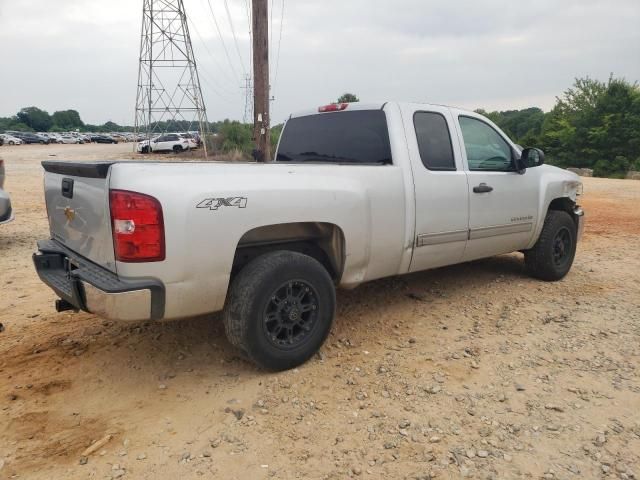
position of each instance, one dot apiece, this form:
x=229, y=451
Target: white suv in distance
x=166, y=143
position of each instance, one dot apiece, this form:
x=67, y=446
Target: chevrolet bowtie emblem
x=70, y=213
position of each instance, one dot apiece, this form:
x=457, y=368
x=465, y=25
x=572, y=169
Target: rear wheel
x=280, y=309
x=552, y=256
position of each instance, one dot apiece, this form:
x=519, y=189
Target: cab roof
x=362, y=106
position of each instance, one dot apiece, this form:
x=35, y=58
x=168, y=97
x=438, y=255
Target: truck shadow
x=189, y=344
x=153, y=351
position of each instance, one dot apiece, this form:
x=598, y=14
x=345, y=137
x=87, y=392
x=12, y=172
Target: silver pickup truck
x=356, y=192
x=6, y=212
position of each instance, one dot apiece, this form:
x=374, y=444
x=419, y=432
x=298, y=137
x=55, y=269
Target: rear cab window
x=434, y=141
x=359, y=137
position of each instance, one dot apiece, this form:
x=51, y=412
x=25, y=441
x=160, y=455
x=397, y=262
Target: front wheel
x=552, y=256
x=177, y=149
x=280, y=309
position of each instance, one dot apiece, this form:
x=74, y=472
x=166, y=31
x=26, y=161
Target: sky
x=491, y=54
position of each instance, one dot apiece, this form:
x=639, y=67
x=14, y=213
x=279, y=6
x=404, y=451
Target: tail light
x=138, y=227
x=334, y=107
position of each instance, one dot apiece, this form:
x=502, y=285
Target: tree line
x=593, y=124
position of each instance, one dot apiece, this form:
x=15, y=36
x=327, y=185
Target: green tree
x=34, y=118
x=236, y=136
x=522, y=126
x=596, y=125
x=348, y=98
x=67, y=120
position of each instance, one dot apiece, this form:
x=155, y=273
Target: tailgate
x=77, y=198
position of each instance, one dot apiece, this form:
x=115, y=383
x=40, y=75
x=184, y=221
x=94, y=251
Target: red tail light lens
x=334, y=107
x=138, y=227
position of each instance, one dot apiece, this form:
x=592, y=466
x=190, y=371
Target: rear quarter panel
x=366, y=202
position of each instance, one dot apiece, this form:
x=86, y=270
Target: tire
x=551, y=257
x=280, y=309
x=11, y=142
x=177, y=149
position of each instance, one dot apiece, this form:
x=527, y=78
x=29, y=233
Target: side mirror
x=532, y=157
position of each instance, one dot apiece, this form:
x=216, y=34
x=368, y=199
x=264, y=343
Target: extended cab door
x=503, y=204
x=440, y=183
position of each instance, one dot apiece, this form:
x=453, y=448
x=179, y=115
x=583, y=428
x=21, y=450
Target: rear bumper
x=578, y=212
x=94, y=289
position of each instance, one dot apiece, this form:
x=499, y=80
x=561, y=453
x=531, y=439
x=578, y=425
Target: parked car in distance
x=10, y=139
x=30, y=138
x=119, y=137
x=357, y=192
x=53, y=137
x=169, y=142
x=103, y=139
x=6, y=213
x=190, y=138
x=67, y=139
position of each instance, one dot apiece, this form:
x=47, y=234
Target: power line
x=213, y=15
x=213, y=57
x=235, y=39
x=247, y=7
x=275, y=78
x=271, y=28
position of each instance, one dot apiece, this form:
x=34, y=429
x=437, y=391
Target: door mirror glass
x=532, y=157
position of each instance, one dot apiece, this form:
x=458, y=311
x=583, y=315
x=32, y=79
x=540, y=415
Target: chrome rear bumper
x=86, y=286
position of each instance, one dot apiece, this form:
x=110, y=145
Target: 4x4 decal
x=216, y=203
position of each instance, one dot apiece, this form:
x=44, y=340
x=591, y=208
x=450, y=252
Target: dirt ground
x=469, y=371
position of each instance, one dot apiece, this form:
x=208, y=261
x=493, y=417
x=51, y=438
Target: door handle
x=482, y=188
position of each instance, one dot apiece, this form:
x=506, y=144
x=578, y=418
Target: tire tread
x=538, y=259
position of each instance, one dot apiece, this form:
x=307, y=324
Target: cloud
x=490, y=53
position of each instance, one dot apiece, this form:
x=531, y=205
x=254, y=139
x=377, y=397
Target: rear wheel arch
x=324, y=242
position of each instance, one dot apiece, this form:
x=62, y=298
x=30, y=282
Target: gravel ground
x=470, y=371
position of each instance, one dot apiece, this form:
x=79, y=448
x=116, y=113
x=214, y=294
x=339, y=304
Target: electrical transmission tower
x=169, y=95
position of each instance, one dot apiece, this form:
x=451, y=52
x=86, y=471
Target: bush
x=617, y=168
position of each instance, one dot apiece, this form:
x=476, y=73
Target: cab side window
x=434, y=141
x=486, y=149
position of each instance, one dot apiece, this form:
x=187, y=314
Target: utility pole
x=261, y=116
